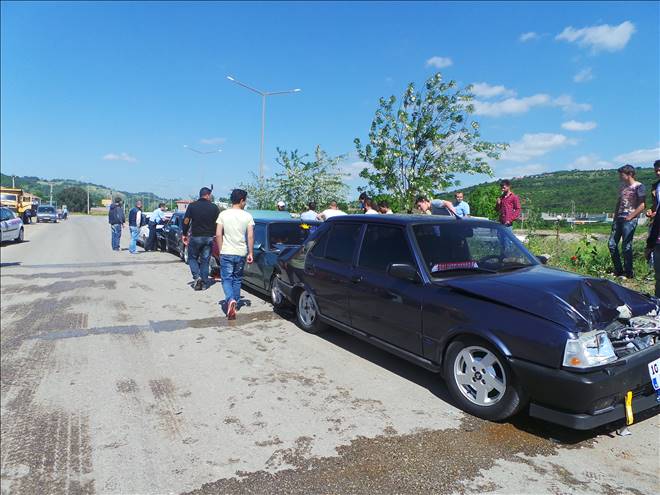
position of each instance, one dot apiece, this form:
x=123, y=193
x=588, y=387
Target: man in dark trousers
x=199, y=220
x=653, y=250
x=116, y=219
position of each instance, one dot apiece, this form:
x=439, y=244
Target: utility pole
x=12, y=181
x=88, y=199
x=51, y=192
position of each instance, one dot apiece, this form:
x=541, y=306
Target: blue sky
x=112, y=91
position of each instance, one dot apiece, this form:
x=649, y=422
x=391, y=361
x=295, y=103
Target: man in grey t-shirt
x=632, y=197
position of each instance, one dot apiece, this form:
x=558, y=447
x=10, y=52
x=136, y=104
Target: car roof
x=400, y=219
x=284, y=220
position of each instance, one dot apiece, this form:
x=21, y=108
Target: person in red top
x=508, y=205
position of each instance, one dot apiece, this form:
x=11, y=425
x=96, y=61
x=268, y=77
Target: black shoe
x=199, y=284
x=629, y=275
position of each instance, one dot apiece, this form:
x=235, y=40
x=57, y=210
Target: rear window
x=341, y=243
x=289, y=234
x=46, y=209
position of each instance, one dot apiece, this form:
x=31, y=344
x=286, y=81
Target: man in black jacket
x=116, y=219
x=200, y=219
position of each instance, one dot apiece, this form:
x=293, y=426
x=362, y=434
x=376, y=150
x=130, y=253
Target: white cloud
x=640, y=157
x=353, y=169
x=509, y=105
x=584, y=75
x=485, y=90
x=566, y=103
x=531, y=35
x=574, y=125
x=603, y=37
x=534, y=145
x=213, y=140
x=531, y=169
x=124, y=157
x=589, y=162
x=439, y=62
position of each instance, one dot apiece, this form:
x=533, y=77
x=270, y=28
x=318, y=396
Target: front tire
x=481, y=381
x=307, y=313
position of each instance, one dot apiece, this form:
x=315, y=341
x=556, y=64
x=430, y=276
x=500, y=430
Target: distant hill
x=594, y=191
x=97, y=192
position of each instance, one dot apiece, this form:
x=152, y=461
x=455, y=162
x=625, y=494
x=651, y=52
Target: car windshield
x=46, y=209
x=290, y=234
x=456, y=248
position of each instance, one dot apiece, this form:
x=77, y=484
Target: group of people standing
x=136, y=219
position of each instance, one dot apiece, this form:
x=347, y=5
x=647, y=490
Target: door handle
x=356, y=279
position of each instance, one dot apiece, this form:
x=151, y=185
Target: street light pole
x=263, y=95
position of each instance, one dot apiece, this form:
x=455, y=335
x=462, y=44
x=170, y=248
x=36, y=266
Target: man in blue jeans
x=116, y=219
x=199, y=220
x=235, y=235
x=632, y=196
x=135, y=221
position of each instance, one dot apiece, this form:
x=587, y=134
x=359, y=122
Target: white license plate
x=654, y=372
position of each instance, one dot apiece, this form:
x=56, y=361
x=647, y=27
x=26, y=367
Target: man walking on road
x=234, y=226
x=632, y=196
x=200, y=220
x=116, y=219
x=134, y=223
x=157, y=217
x=508, y=205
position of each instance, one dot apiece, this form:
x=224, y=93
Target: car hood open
x=574, y=301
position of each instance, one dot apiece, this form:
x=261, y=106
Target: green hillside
x=593, y=191
x=97, y=192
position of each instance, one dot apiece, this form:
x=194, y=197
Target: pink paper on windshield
x=442, y=267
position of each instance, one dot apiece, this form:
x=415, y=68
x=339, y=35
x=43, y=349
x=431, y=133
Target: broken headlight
x=588, y=350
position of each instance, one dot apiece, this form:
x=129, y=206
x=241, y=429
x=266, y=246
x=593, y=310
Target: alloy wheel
x=480, y=376
x=307, y=309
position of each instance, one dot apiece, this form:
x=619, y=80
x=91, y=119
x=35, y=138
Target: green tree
x=299, y=180
x=302, y=180
x=261, y=192
x=419, y=145
x=75, y=198
x=482, y=201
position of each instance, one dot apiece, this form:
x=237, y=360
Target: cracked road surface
x=118, y=378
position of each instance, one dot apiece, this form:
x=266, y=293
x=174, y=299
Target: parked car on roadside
x=46, y=213
x=11, y=226
x=465, y=298
x=171, y=236
x=272, y=236
x=143, y=233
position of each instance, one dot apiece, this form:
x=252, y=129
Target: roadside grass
x=591, y=256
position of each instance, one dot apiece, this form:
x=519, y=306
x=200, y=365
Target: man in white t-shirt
x=234, y=226
x=332, y=211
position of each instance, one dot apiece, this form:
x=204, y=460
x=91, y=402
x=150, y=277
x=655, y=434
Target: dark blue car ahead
x=465, y=298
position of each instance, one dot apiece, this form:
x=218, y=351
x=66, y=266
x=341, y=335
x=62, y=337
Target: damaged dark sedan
x=464, y=297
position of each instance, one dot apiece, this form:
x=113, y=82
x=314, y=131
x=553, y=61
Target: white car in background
x=11, y=226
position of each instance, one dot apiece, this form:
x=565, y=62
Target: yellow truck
x=21, y=202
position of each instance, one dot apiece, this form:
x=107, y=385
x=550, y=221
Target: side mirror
x=542, y=259
x=403, y=271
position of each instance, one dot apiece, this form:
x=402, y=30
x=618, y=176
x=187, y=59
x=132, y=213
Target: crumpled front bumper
x=586, y=400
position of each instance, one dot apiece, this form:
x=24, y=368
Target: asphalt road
x=118, y=378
